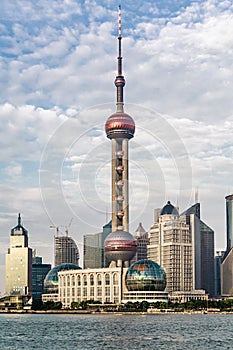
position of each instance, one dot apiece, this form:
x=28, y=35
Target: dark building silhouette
x=203, y=244
x=39, y=272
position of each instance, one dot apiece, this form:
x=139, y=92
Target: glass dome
x=51, y=279
x=145, y=275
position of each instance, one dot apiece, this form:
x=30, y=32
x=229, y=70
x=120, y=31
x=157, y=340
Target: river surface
x=123, y=332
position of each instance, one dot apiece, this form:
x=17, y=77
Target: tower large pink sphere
x=120, y=125
x=120, y=246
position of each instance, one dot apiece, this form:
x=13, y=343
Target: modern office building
x=217, y=272
x=171, y=247
x=229, y=221
x=142, y=241
x=19, y=263
x=66, y=250
x=93, y=248
x=227, y=262
x=203, y=250
x=39, y=272
x=207, y=259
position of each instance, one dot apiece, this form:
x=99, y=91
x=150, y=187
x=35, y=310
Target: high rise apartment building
x=171, y=247
x=19, y=263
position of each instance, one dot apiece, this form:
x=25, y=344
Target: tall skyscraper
x=207, y=259
x=19, y=262
x=203, y=250
x=120, y=246
x=227, y=263
x=229, y=221
x=66, y=250
x=171, y=247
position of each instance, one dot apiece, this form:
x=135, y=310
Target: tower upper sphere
x=120, y=125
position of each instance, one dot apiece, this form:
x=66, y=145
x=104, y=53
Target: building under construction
x=66, y=250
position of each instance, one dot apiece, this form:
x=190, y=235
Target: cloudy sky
x=58, y=64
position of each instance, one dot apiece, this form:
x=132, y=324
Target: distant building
x=93, y=248
x=207, y=259
x=227, y=262
x=203, y=250
x=142, y=239
x=19, y=263
x=217, y=274
x=229, y=221
x=171, y=247
x=66, y=250
x=39, y=272
x=227, y=274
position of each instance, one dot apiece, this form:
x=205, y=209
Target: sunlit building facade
x=19, y=263
x=171, y=247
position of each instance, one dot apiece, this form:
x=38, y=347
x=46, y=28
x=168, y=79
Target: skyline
x=57, y=89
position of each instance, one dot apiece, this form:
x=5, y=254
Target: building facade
x=93, y=248
x=171, y=247
x=105, y=285
x=203, y=250
x=227, y=261
x=217, y=272
x=66, y=251
x=19, y=263
x=39, y=272
x=207, y=259
x=229, y=221
x=142, y=239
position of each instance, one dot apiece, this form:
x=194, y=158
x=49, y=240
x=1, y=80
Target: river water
x=123, y=332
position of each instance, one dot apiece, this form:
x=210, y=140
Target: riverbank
x=88, y=312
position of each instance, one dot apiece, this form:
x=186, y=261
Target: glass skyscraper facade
x=229, y=220
x=39, y=272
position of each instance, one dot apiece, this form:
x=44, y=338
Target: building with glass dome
x=145, y=280
x=51, y=281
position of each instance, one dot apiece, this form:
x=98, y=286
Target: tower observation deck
x=120, y=245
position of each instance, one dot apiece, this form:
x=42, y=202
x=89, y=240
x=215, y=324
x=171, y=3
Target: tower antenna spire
x=119, y=81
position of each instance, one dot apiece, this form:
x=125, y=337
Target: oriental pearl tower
x=120, y=245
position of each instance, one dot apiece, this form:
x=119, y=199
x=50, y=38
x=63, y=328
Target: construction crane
x=67, y=227
x=57, y=229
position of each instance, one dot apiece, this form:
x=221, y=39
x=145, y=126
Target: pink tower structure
x=120, y=245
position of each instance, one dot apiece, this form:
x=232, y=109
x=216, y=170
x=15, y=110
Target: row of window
x=86, y=279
